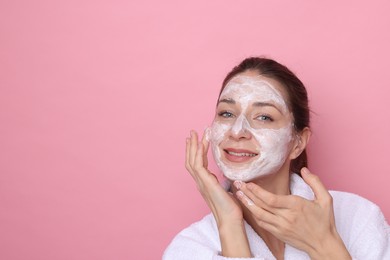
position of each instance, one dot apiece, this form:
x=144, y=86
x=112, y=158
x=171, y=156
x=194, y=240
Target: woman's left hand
x=304, y=224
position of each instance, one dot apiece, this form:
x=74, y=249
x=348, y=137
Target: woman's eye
x=226, y=114
x=265, y=118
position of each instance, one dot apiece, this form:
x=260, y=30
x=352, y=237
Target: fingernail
x=237, y=184
x=241, y=195
x=305, y=170
x=250, y=202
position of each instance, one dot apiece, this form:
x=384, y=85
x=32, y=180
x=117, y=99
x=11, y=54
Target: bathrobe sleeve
x=373, y=242
x=360, y=223
x=362, y=226
x=200, y=241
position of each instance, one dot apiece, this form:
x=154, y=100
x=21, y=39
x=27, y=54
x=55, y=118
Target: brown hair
x=297, y=95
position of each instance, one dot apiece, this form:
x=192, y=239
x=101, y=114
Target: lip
x=239, y=155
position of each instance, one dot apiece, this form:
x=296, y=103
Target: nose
x=239, y=129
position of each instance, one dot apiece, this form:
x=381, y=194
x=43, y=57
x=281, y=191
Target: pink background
x=97, y=97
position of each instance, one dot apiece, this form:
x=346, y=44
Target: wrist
x=234, y=241
x=330, y=247
x=231, y=223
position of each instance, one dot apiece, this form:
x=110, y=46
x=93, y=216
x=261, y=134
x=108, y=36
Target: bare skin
x=224, y=206
x=277, y=218
x=266, y=202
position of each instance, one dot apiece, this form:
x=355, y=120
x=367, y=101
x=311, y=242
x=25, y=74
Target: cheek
x=217, y=132
x=270, y=139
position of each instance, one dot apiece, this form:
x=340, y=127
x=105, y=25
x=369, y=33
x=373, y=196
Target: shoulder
x=351, y=209
x=354, y=202
x=200, y=229
x=355, y=209
x=198, y=240
x=362, y=226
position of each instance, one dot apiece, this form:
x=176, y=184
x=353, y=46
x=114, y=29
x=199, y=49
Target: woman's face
x=252, y=132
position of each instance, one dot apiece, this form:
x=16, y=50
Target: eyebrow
x=264, y=104
x=227, y=100
x=256, y=104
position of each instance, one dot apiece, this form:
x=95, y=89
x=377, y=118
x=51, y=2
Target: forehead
x=248, y=88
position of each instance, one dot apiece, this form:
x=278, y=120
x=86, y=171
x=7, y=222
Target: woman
x=275, y=208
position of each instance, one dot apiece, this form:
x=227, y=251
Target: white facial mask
x=273, y=143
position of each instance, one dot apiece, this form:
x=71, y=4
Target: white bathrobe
x=359, y=222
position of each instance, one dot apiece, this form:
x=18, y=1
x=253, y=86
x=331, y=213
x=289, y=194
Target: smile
x=241, y=154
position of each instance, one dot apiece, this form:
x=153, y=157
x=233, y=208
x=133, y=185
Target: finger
x=205, y=144
x=199, y=168
x=261, y=215
x=269, y=227
x=320, y=192
x=198, y=164
x=188, y=154
x=264, y=219
x=273, y=201
x=187, y=163
x=193, y=147
x=242, y=186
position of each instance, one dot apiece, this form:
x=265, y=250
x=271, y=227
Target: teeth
x=241, y=154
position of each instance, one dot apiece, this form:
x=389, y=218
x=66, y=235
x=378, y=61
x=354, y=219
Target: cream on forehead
x=244, y=89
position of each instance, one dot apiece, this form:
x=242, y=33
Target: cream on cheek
x=273, y=143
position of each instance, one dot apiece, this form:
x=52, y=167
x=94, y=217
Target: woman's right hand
x=225, y=208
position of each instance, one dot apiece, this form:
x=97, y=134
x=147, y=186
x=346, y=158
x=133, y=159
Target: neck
x=277, y=183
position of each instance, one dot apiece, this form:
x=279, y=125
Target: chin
x=243, y=174
x=250, y=171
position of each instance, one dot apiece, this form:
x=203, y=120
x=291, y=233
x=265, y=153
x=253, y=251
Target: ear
x=300, y=143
